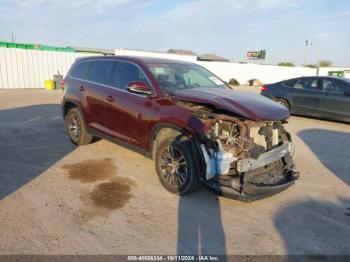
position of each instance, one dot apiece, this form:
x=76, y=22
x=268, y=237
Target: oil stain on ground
x=92, y=170
x=107, y=196
x=112, y=195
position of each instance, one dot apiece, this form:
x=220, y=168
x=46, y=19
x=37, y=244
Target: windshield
x=173, y=76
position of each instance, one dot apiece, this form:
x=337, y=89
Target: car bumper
x=250, y=185
x=264, y=159
x=255, y=193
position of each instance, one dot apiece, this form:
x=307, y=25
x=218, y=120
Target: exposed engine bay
x=244, y=158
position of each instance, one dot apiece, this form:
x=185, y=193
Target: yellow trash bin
x=49, y=84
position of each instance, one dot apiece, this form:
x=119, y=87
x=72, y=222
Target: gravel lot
x=56, y=198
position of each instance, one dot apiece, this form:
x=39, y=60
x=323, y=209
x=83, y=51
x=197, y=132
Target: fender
x=188, y=131
x=76, y=103
x=70, y=100
x=155, y=130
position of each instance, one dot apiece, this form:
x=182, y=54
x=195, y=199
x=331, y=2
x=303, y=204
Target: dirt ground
x=56, y=198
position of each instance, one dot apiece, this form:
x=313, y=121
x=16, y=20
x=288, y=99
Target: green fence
x=36, y=47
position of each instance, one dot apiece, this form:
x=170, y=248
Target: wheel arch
x=285, y=99
x=163, y=130
x=69, y=104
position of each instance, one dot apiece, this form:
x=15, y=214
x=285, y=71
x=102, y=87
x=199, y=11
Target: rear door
x=77, y=80
x=336, y=103
x=95, y=89
x=305, y=96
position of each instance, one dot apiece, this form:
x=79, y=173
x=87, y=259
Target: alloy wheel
x=282, y=103
x=173, y=166
x=74, y=127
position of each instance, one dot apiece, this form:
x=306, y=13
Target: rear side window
x=332, y=85
x=100, y=72
x=127, y=73
x=307, y=83
x=290, y=83
x=79, y=71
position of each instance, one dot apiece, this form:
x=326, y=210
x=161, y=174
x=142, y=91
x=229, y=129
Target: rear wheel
x=283, y=102
x=76, y=127
x=175, y=165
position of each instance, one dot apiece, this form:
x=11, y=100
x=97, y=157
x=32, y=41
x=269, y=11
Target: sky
x=228, y=28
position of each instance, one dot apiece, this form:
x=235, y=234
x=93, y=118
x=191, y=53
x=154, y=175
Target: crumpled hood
x=243, y=103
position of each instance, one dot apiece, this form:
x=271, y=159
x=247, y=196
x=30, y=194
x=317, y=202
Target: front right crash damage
x=245, y=159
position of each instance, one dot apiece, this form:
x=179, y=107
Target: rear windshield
x=177, y=76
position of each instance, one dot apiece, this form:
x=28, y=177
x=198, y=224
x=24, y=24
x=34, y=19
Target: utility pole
x=12, y=37
x=307, y=43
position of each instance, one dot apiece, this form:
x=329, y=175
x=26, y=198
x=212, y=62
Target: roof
x=157, y=60
x=140, y=59
x=212, y=57
x=306, y=77
x=139, y=50
x=181, y=52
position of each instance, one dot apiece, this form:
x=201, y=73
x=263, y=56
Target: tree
x=325, y=63
x=286, y=64
x=310, y=66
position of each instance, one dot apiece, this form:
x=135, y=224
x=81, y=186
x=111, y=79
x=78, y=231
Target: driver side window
x=193, y=78
x=127, y=72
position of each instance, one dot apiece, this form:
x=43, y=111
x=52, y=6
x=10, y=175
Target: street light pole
x=307, y=43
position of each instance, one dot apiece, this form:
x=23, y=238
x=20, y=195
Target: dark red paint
x=135, y=118
x=245, y=104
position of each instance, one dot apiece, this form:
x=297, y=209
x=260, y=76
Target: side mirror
x=347, y=93
x=139, y=87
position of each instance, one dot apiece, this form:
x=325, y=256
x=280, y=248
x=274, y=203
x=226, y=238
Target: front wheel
x=175, y=165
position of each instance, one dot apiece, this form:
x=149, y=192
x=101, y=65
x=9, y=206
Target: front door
x=336, y=101
x=305, y=96
x=127, y=112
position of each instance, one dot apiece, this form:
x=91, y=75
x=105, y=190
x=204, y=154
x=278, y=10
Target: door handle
x=110, y=98
x=81, y=88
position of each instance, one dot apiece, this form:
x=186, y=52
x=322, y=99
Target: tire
x=76, y=128
x=283, y=102
x=181, y=178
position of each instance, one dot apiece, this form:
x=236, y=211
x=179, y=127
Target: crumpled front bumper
x=250, y=187
x=255, y=193
x=248, y=164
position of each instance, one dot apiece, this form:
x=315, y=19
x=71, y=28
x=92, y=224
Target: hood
x=243, y=103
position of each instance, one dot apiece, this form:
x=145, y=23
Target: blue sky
x=225, y=27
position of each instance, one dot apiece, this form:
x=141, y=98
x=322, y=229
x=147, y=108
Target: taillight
x=62, y=83
x=264, y=89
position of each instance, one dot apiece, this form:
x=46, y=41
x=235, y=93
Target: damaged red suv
x=185, y=118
